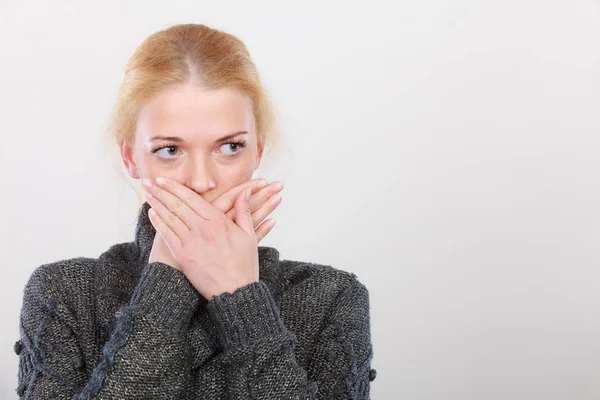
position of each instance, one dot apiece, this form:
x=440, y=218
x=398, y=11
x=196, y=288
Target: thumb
x=243, y=217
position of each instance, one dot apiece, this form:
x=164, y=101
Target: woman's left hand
x=216, y=254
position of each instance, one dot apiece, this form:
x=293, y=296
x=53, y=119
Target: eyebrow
x=178, y=139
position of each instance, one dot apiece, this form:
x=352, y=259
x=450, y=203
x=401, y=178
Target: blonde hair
x=190, y=54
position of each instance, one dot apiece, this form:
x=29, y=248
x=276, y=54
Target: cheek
x=149, y=167
x=230, y=176
x=234, y=176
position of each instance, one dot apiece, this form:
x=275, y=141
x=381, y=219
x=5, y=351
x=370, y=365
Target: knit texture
x=118, y=327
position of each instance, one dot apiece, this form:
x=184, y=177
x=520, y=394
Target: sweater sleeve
x=258, y=348
x=134, y=363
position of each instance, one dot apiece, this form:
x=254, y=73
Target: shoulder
x=66, y=276
x=59, y=278
x=321, y=302
x=61, y=288
x=325, y=279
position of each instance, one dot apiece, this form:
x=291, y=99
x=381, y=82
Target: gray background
x=447, y=152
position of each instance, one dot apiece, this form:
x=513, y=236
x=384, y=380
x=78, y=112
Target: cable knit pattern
x=118, y=327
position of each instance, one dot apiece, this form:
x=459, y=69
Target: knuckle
x=172, y=217
x=231, y=201
x=223, y=222
x=189, y=198
x=176, y=206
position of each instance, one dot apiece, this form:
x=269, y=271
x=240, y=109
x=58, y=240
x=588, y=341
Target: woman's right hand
x=263, y=201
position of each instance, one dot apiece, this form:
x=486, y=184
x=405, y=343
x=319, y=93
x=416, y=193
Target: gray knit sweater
x=118, y=327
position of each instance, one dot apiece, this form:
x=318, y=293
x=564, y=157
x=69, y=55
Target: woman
x=193, y=308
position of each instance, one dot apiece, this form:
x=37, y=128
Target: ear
x=128, y=160
x=259, y=154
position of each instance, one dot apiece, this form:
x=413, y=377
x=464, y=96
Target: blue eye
x=170, y=152
x=236, y=145
x=157, y=149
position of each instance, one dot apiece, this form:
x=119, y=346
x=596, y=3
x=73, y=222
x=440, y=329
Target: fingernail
x=278, y=186
x=262, y=183
x=147, y=182
x=160, y=180
x=276, y=199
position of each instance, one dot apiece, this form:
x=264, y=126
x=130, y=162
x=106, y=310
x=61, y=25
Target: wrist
x=166, y=295
x=248, y=314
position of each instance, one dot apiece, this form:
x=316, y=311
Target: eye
x=235, y=146
x=167, y=151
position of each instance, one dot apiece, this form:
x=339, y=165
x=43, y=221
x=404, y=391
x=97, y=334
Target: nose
x=200, y=177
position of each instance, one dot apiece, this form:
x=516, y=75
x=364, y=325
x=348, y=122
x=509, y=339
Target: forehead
x=193, y=113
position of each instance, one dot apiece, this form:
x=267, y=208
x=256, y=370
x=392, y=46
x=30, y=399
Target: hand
x=216, y=254
x=264, y=200
x=160, y=252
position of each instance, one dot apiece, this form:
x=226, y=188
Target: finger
x=170, y=208
x=170, y=238
x=243, y=217
x=226, y=201
x=175, y=224
x=260, y=197
x=264, y=229
x=185, y=199
x=267, y=208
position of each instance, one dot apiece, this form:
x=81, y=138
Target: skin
x=205, y=226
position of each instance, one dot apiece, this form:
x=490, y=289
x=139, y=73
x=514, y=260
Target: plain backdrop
x=446, y=152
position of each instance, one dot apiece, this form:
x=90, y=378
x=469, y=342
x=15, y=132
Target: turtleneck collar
x=268, y=257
